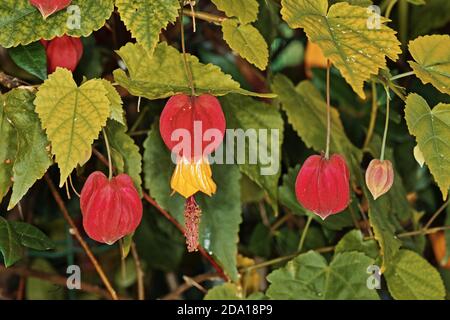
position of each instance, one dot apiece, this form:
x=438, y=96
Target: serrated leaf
x=163, y=75
x=431, y=129
x=308, y=276
x=10, y=245
x=432, y=60
x=128, y=152
x=306, y=111
x=31, y=58
x=342, y=33
x=31, y=237
x=245, y=10
x=146, y=18
x=72, y=117
x=22, y=23
x=246, y=40
x=32, y=158
x=116, y=103
x=354, y=241
x=221, y=213
x=414, y=278
x=8, y=150
x=247, y=114
x=226, y=291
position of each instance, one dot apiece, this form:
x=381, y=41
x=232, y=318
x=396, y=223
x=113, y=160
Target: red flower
x=322, y=185
x=49, y=7
x=111, y=209
x=64, y=52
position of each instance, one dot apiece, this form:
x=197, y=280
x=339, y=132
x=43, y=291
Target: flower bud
x=111, y=209
x=379, y=177
x=49, y=7
x=64, y=52
x=322, y=185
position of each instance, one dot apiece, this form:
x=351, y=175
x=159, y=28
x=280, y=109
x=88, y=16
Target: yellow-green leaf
x=163, y=75
x=72, y=116
x=245, y=10
x=414, y=278
x=343, y=35
x=431, y=129
x=432, y=60
x=22, y=23
x=32, y=158
x=246, y=40
x=8, y=149
x=116, y=102
x=146, y=18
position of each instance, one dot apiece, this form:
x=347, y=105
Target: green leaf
x=38, y=289
x=414, y=278
x=309, y=277
x=22, y=23
x=249, y=116
x=163, y=75
x=433, y=15
x=354, y=241
x=146, y=18
x=226, y=291
x=431, y=129
x=32, y=158
x=72, y=116
x=306, y=111
x=245, y=10
x=221, y=213
x=342, y=33
x=10, y=245
x=32, y=58
x=432, y=56
x=8, y=150
x=247, y=42
x=31, y=237
x=116, y=102
x=127, y=151
x=287, y=198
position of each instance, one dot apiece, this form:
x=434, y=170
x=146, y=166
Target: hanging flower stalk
x=322, y=185
x=192, y=127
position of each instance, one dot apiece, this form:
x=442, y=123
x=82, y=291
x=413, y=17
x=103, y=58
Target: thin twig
x=139, y=272
x=10, y=82
x=206, y=16
x=436, y=214
x=373, y=116
x=187, y=285
x=75, y=232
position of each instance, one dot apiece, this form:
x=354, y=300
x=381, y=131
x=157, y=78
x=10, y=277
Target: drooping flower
x=49, y=7
x=438, y=244
x=323, y=186
x=64, y=52
x=379, y=177
x=111, y=209
x=192, y=128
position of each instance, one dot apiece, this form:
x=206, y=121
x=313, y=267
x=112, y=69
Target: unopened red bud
x=49, y=7
x=64, y=52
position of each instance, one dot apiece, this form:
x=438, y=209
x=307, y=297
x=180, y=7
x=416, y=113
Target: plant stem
x=436, y=214
x=373, y=115
x=139, y=272
x=108, y=150
x=389, y=8
x=386, y=124
x=327, y=150
x=402, y=75
x=304, y=233
x=76, y=233
x=206, y=16
x=403, y=12
x=185, y=61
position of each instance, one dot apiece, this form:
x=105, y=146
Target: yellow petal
x=192, y=177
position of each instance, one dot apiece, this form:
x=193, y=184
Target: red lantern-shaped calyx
x=49, y=7
x=322, y=185
x=192, y=127
x=64, y=52
x=111, y=209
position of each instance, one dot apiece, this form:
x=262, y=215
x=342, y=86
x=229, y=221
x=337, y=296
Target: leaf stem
x=327, y=150
x=183, y=48
x=402, y=75
x=206, y=16
x=373, y=115
x=108, y=150
x=386, y=124
x=304, y=233
x=436, y=214
x=389, y=8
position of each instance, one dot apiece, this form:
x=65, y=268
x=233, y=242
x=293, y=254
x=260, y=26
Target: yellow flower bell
x=192, y=176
